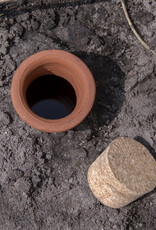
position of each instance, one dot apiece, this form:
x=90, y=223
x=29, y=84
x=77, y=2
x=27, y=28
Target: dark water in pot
x=51, y=97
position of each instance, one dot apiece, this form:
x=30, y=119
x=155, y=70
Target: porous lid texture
x=132, y=164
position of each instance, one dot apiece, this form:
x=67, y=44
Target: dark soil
x=43, y=177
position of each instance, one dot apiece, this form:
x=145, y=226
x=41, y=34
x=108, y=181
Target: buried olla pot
x=53, y=91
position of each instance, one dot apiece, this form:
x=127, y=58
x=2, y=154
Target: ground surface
x=43, y=183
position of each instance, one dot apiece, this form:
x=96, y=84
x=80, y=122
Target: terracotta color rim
x=65, y=65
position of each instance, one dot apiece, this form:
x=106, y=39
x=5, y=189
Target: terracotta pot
x=62, y=64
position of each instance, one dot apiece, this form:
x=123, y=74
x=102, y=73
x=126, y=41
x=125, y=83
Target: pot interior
x=51, y=97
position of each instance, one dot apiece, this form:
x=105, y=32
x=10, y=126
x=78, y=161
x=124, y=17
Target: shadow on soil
x=20, y=7
x=110, y=93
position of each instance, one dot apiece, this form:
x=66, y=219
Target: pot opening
x=51, y=97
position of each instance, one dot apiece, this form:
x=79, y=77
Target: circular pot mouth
x=60, y=64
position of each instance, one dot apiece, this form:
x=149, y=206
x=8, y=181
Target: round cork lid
x=132, y=164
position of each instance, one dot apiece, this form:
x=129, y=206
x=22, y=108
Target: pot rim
x=53, y=59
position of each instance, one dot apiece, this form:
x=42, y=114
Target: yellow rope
x=133, y=29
